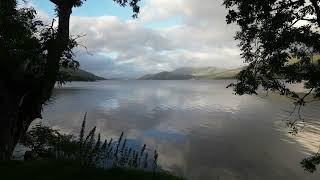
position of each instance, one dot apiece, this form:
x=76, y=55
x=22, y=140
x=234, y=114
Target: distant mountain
x=80, y=75
x=166, y=76
x=186, y=73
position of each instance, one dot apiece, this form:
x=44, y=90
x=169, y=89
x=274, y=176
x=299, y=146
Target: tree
x=280, y=40
x=31, y=56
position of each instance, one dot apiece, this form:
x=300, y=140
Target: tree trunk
x=11, y=130
x=316, y=9
x=56, y=48
x=6, y=123
x=18, y=108
x=15, y=118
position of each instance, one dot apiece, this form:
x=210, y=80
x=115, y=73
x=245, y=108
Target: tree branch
x=56, y=2
x=286, y=5
x=317, y=9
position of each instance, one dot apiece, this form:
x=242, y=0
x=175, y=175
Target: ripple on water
x=201, y=130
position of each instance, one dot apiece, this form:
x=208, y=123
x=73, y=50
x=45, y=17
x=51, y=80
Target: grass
x=68, y=170
x=88, y=150
x=62, y=156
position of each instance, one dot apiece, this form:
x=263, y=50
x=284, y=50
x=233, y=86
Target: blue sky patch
x=91, y=8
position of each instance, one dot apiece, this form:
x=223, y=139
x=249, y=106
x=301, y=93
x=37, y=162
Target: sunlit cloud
x=167, y=35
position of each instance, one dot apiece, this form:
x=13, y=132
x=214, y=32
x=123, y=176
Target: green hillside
x=217, y=74
x=79, y=75
x=186, y=73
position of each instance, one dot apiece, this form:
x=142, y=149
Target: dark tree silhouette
x=31, y=56
x=280, y=40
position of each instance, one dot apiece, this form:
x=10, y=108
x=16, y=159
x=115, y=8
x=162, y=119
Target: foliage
x=89, y=150
x=24, y=43
x=49, y=143
x=280, y=41
x=131, y=3
x=77, y=3
x=310, y=163
x=272, y=33
x=19, y=47
x=32, y=55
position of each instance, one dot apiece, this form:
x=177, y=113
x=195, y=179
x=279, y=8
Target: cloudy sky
x=168, y=34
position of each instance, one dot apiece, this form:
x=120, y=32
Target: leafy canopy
x=77, y=3
x=280, y=41
x=24, y=41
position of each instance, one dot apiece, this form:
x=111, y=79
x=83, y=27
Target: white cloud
x=41, y=15
x=129, y=48
x=156, y=10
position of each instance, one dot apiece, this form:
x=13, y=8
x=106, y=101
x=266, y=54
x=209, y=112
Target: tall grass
x=89, y=150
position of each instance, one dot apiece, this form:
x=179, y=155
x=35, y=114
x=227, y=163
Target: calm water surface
x=201, y=130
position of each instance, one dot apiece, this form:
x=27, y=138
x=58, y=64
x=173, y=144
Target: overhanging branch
x=56, y=2
x=317, y=9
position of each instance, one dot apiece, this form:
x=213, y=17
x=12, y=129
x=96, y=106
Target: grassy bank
x=67, y=170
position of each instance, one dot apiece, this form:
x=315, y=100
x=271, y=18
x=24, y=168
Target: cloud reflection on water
x=200, y=129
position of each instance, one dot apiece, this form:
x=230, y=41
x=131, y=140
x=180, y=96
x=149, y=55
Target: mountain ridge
x=188, y=73
x=80, y=75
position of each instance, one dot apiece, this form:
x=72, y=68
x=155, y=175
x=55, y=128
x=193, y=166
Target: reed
x=89, y=150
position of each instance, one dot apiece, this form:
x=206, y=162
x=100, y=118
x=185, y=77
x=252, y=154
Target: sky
x=168, y=34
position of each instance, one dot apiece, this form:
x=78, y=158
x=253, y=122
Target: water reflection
x=200, y=129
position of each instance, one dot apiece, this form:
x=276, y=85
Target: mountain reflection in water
x=201, y=130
